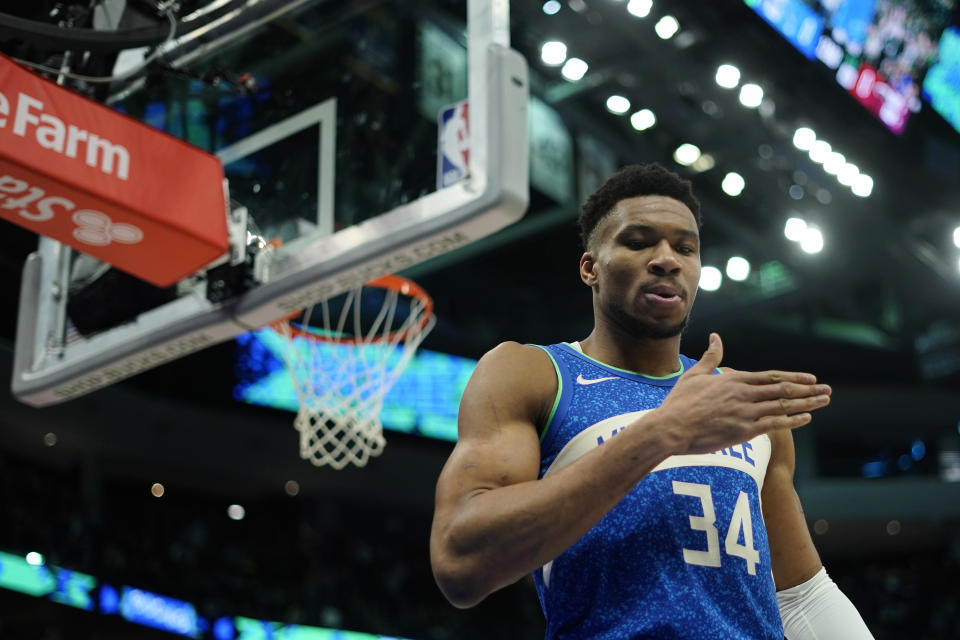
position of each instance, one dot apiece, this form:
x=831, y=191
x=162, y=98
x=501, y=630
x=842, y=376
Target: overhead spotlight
x=643, y=119
x=862, y=186
x=551, y=7
x=956, y=237
x=834, y=163
x=574, y=69
x=812, y=240
x=666, y=27
x=553, y=53
x=618, y=104
x=710, y=278
x=639, y=8
x=738, y=268
x=157, y=490
x=820, y=151
x=686, y=154
x=751, y=95
x=803, y=138
x=728, y=76
x=848, y=174
x=33, y=558
x=733, y=184
x=236, y=512
x=794, y=229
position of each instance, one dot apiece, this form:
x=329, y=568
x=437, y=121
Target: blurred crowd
x=316, y=560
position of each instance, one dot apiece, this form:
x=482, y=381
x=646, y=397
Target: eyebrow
x=647, y=229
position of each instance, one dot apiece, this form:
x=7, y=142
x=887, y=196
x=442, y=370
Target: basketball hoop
x=344, y=363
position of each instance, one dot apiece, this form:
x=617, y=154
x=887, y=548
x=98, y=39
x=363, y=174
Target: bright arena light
x=820, y=151
x=551, y=7
x=666, y=27
x=956, y=237
x=686, y=154
x=834, y=163
x=574, y=69
x=236, y=512
x=812, y=241
x=728, y=76
x=639, y=8
x=553, y=53
x=733, y=184
x=794, y=229
x=618, y=105
x=643, y=119
x=738, y=268
x=33, y=558
x=710, y=278
x=848, y=174
x=862, y=186
x=803, y=138
x=751, y=95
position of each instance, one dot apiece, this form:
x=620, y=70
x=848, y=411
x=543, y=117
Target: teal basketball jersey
x=684, y=555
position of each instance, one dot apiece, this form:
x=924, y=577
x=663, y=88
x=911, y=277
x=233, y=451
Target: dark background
x=876, y=314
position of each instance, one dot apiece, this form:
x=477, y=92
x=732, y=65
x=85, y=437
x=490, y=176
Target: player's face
x=644, y=265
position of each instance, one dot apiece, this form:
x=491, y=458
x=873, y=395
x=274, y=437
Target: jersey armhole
x=560, y=396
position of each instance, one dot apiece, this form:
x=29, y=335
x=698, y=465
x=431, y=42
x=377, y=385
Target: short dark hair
x=629, y=182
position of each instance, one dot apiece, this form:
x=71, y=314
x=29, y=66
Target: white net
x=345, y=362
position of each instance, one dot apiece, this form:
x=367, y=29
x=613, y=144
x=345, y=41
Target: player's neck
x=652, y=357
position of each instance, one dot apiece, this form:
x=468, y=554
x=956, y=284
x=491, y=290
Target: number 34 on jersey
x=740, y=526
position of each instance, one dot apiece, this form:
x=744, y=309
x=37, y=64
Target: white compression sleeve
x=818, y=610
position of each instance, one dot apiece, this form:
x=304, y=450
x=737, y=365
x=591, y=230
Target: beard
x=646, y=327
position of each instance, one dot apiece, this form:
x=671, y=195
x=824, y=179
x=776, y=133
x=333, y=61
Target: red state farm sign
x=105, y=184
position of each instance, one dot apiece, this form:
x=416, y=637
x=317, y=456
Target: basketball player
x=649, y=497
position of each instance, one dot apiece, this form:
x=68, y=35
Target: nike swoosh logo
x=585, y=381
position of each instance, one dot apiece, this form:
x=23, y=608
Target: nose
x=664, y=260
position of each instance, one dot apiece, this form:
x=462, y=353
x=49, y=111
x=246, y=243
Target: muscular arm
x=495, y=521
x=792, y=553
x=811, y=605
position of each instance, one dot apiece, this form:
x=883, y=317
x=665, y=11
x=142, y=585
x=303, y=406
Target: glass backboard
x=362, y=138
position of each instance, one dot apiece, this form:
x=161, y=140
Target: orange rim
x=391, y=282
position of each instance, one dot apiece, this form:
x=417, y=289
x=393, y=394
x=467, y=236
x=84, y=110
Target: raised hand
x=708, y=412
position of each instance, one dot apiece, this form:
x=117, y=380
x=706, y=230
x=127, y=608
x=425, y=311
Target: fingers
x=775, y=423
x=762, y=392
x=711, y=357
x=789, y=406
x=773, y=377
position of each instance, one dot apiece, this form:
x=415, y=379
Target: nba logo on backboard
x=453, y=144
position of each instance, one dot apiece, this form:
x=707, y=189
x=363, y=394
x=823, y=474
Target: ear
x=588, y=269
